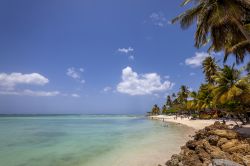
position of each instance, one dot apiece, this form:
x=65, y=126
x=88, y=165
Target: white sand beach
x=196, y=124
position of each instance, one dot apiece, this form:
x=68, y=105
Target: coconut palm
x=232, y=92
x=164, y=109
x=155, y=110
x=169, y=101
x=192, y=104
x=224, y=22
x=183, y=94
x=209, y=69
x=205, y=97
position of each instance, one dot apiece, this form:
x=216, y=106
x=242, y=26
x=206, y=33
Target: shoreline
x=195, y=124
x=212, y=150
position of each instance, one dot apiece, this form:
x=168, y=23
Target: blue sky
x=93, y=56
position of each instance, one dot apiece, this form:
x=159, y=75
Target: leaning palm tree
x=223, y=22
x=209, y=69
x=232, y=92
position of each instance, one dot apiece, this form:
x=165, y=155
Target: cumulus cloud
x=28, y=92
x=196, y=60
x=125, y=50
x=75, y=74
x=9, y=81
x=158, y=19
x=143, y=84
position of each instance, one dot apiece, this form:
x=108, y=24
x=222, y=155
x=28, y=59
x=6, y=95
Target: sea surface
x=88, y=140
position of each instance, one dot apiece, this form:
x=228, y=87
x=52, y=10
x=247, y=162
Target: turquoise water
x=81, y=140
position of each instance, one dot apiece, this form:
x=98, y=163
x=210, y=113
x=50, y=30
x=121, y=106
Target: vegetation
x=225, y=26
x=225, y=92
x=156, y=110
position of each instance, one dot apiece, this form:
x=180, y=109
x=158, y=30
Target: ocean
x=88, y=140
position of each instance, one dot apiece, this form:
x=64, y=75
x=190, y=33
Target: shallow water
x=87, y=140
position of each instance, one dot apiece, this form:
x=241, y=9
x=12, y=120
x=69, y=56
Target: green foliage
x=223, y=24
x=156, y=110
x=209, y=69
x=164, y=109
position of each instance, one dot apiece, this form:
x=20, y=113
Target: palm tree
x=232, y=92
x=164, y=109
x=193, y=103
x=224, y=22
x=205, y=97
x=183, y=94
x=209, y=69
x=169, y=101
x=155, y=110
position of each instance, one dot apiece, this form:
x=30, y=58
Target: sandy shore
x=196, y=124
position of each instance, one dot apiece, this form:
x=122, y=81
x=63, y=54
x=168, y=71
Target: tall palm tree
x=169, y=101
x=224, y=22
x=232, y=91
x=183, y=94
x=209, y=69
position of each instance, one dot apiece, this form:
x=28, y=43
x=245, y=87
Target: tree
x=205, y=97
x=223, y=23
x=232, y=92
x=164, y=109
x=169, y=101
x=192, y=104
x=180, y=102
x=156, y=110
x=183, y=94
x=209, y=69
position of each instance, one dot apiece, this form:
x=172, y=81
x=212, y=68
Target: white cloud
x=71, y=72
x=192, y=74
x=9, y=81
x=107, y=88
x=134, y=84
x=75, y=74
x=196, y=60
x=125, y=50
x=28, y=92
x=158, y=19
x=75, y=95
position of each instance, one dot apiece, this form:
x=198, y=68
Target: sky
x=94, y=56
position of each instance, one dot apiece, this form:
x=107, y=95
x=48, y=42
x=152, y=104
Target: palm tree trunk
x=242, y=29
